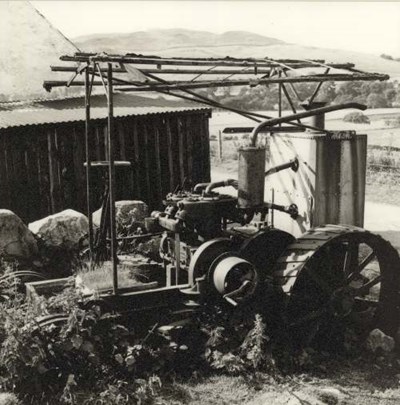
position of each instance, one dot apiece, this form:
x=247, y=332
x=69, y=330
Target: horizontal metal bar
x=185, y=71
x=242, y=82
x=153, y=60
x=238, y=130
x=74, y=68
x=91, y=54
x=134, y=237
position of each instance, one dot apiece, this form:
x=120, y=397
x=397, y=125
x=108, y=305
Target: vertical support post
x=280, y=98
x=88, y=161
x=273, y=202
x=111, y=174
x=177, y=257
x=220, y=145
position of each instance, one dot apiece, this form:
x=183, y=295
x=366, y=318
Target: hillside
x=161, y=40
x=188, y=43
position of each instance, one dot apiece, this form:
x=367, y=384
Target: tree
x=375, y=100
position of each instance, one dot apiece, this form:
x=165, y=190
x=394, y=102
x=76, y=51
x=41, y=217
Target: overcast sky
x=372, y=27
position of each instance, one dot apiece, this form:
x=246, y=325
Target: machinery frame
x=138, y=73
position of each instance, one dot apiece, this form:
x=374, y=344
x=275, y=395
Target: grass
x=101, y=277
x=213, y=390
x=383, y=186
x=361, y=381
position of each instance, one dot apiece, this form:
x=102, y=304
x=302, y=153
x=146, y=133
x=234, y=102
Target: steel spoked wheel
x=344, y=278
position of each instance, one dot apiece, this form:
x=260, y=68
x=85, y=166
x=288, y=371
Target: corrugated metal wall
x=42, y=172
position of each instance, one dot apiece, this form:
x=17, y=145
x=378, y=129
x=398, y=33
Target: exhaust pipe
x=304, y=114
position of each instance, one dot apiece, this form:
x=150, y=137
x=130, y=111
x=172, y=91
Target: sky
x=371, y=27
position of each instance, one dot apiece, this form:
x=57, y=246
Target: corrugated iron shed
x=42, y=116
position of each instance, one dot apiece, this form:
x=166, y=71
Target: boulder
x=129, y=214
x=16, y=240
x=8, y=398
x=377, y=340
x=62, y=230
x=330, y=395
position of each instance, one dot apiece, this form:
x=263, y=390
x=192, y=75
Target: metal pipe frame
x=179, y=85
x=111, y=174
x=88, y=159
x=305, y=114
x=229, y=61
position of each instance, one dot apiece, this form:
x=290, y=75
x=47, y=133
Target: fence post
x=220, y=145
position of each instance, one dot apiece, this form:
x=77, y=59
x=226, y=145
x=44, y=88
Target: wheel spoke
x=364, y=301
x=361, y=267
x=350, y=259
x=367, y=286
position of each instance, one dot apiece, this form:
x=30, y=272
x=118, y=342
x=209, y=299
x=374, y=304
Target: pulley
x=233, y=277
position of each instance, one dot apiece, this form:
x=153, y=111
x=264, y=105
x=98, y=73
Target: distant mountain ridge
x=191, y=43
x=159, y=40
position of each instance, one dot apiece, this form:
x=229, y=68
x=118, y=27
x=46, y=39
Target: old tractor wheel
x=335, y=278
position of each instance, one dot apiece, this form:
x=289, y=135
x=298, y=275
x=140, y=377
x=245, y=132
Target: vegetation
x=101, y=358
x=100, y=278
x=389, y=57
x=373, y=94
x=357, y=118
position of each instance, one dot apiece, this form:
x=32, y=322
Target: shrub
x=91, y=352
x=238, y=343
x=357, y=118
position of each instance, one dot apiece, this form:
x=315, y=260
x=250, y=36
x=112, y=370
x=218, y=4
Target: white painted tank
x=329, y=186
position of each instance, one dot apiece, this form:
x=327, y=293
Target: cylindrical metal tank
x=251, y=177
x=318, y=120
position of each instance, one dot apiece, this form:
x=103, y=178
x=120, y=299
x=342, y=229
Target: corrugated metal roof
x=19, y=118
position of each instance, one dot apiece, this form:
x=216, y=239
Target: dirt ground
x=357, y=382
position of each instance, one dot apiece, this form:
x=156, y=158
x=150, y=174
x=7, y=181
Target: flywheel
x=338, y=277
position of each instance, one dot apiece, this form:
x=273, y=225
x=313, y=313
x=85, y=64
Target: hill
x=177, y=39
x=188, y=43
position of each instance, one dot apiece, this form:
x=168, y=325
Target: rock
x=377, y=340
x=129, y=214
x=62, y=230
x=329, y=395
x=16, y=240
x=8, y=398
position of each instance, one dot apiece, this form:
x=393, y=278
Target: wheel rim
x=351, y=281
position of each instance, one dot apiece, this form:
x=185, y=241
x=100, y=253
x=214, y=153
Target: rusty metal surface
x=20, y=118
x=251, y=177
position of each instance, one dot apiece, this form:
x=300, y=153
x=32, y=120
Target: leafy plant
x=89, y=352
x=238, y=345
